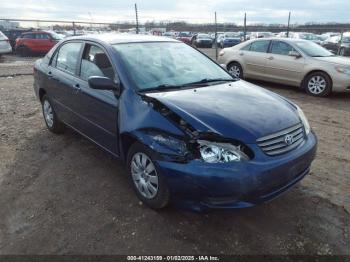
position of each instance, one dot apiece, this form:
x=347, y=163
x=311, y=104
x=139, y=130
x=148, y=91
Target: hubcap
x=317, y=84
x=144, y=175
x=235, y=71
x=48, y=113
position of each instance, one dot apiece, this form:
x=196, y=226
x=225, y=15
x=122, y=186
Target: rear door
x=44, y=42
x=62, y=75
x=254, y=58
x=281, y=67
x=97, y=109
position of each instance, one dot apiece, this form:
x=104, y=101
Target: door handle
x=270, y=58
x=49, y=74
x=77, y=88
x=241, y=54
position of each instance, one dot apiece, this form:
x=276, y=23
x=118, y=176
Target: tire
x=51, y=120
x=318, y=84
x=235, y=69
x=145, y=175
x=342, y=51
x=23, y=51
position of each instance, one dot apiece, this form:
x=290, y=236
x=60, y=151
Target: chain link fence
x=14, y=28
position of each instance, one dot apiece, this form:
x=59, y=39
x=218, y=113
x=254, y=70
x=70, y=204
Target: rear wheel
x=235, y=69
x=51, y=120
x=23, y=51
x=318, y=84
x=147, y=180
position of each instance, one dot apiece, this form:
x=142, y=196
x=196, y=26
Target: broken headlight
x=212, y=152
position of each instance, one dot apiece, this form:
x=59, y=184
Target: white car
x=5, y=46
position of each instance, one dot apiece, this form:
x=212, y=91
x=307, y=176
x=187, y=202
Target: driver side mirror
x=104, y=83
x=294, y=54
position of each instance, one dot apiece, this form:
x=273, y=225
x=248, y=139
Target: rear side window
x=67, y=57
x=28, y=36
x=42, y=36
x=260, y=46
x=281, y=48
x=95, y=63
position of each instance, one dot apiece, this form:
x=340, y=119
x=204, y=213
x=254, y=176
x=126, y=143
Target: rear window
x=67, y=57
x=260, y=46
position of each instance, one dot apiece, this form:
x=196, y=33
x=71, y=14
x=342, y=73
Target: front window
x=95, y=62
x=312, y=49
x=280, y=48
x=165, y=64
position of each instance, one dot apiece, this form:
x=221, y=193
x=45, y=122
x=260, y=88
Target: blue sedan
x=188, y=132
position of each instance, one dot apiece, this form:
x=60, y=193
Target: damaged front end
x=204, y=145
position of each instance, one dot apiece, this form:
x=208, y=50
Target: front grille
x=276, y=143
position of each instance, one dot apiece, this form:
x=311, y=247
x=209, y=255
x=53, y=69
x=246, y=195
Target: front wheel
x=147, y=180
x=318, y=84
x=235, y=69
x=51, y=120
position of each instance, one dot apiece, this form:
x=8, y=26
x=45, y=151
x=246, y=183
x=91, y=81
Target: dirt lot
x=64, y=195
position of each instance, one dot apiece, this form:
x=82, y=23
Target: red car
x=185, y=37
x=36, y=42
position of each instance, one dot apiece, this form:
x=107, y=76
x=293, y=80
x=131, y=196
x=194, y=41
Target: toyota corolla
x=188, y=132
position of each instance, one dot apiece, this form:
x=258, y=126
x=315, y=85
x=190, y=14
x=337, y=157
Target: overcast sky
x=264, y=11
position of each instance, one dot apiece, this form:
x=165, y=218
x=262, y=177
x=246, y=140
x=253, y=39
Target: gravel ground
x=64, y=195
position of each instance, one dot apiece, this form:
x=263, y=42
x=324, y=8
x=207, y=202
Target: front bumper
x=199, y=186
x=341, y=82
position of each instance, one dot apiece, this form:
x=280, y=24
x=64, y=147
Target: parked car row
x=295, y=62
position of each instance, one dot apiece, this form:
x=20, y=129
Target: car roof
x=279, y=39
x=116, y=38
x=36, y=32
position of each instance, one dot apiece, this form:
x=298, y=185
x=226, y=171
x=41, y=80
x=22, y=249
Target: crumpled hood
x=236, y=110
x=337, y=60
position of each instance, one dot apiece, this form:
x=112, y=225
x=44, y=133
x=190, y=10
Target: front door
x=97, y=109
x=283, y=68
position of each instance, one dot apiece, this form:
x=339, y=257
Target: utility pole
x=74, y=29
x=288, y=25
x=245, y=27
x=137, y=19
x=216, y=38
x=340, y=42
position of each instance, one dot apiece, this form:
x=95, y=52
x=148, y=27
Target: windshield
x=203, y=36
x=184, y=34
x=165, y=64
x=56, y=36
x=346, y=40
x=312, y=49
x=231, y=35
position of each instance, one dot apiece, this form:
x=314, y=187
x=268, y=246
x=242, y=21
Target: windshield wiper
x=210, y=80
x=167, y=87
x=162, y=87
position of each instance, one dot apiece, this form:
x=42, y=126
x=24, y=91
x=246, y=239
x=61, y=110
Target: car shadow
x=65, y=195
